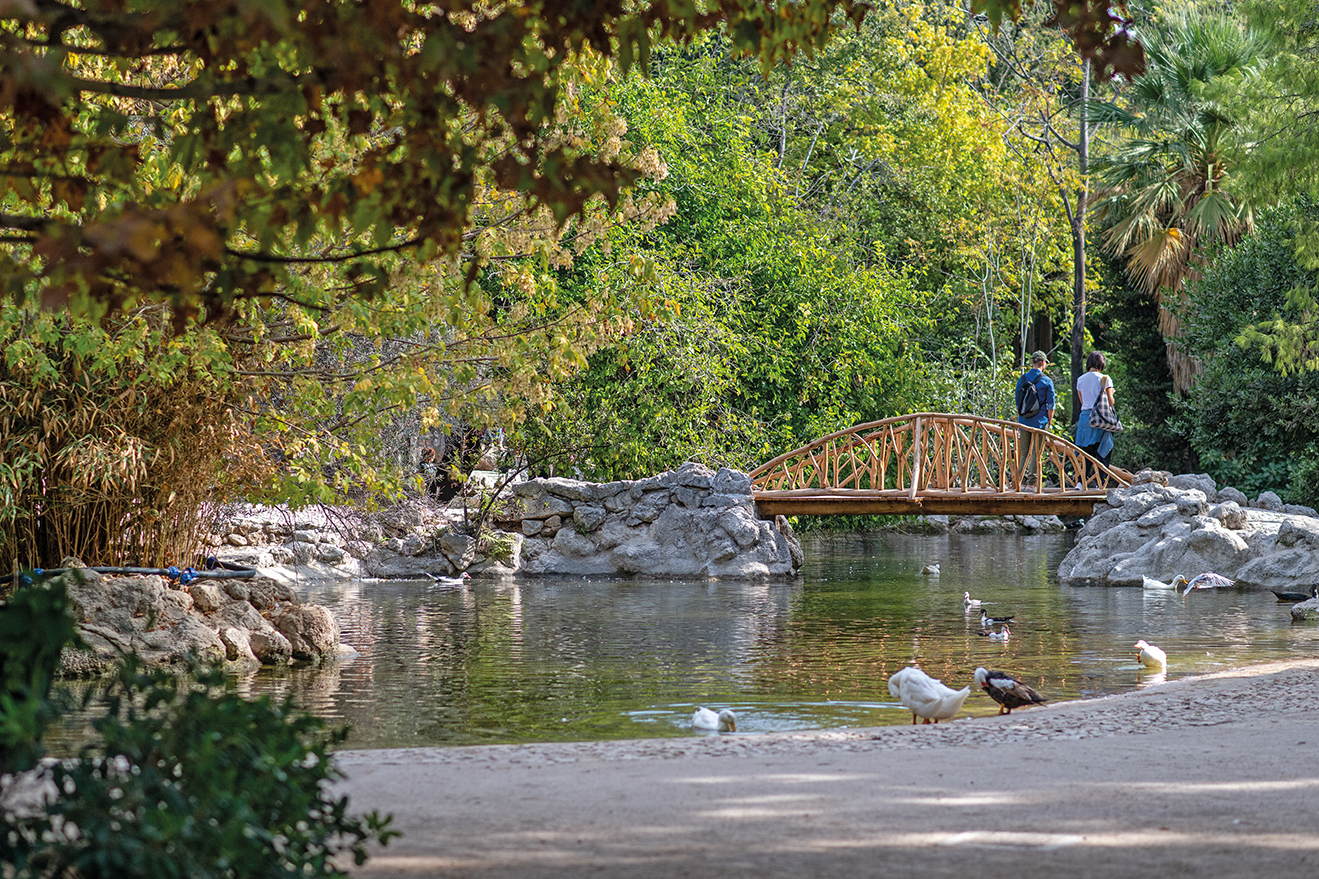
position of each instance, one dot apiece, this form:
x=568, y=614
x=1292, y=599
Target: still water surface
x=546, y=659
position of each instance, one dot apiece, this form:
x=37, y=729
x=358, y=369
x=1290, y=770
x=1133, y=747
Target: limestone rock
x=1229, y=494
x=1191, y=503
x=329, y=553
x=572, y=489
x=1201, y=482
x=311, y=630
x=1302, y=531
x=1269, y=501
x=1158, y=516
x=548, y=505
x=1299, y=510
x=1148, y=476
x=728, y=481
x=238, y=646
x=269, y=645
x=589, y=517
x=459, y=549
x=207, y=597
x=688, y=497
x=692, y=475
x=1230, y=514
x=1307, y=609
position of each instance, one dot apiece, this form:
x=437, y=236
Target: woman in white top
x=1098, y=443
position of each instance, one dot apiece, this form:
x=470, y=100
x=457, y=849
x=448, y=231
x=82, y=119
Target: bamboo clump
x=113, y=467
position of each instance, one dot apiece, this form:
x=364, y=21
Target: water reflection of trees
x=551, y=659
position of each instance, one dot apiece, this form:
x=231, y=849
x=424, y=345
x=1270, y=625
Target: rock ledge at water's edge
x=1165, y=525
x=241, y=622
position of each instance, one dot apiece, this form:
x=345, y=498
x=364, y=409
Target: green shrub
x=183, y=778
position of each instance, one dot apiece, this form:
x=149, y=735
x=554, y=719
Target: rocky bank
x=1164, y=525
x=244, y=622
x=689, y=522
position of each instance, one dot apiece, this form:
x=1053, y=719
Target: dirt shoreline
x=1206, y=775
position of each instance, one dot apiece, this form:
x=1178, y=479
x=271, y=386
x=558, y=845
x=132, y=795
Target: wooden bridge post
x=918, y=457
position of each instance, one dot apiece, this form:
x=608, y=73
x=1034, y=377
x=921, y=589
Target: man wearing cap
x=1032, y=446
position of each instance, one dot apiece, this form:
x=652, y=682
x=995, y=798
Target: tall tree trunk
x=1078, y=244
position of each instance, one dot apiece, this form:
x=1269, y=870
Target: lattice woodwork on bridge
x=932, y=462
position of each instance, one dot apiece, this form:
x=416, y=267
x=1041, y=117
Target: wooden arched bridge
x=933, y=464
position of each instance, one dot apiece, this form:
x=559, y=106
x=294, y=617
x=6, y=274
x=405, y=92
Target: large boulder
x=311, y=630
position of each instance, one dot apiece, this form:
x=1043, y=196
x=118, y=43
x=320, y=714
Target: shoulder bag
x=1102, y=414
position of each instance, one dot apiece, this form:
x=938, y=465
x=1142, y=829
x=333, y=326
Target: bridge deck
x=845, y=502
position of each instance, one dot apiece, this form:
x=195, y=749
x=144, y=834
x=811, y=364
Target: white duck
x=1151, y=583
x=1208, y=580
x=724, y=721
x=968, y=601
x=460, y=580
x=1150, y=656
x=925, y=696
x=931, y=570
x=1002, y=634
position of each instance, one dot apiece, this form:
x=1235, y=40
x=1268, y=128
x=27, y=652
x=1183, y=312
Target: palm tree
x=1167, y=191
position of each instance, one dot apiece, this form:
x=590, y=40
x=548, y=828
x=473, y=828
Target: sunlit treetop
x=194, y=151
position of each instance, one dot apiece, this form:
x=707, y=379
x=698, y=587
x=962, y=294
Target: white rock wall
x=1166, y=525
x=691, y=522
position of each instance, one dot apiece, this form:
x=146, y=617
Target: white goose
x=724, y=721
x=925, y=696
x=1150, y=656
x=931, y=570
x=1151, y=583
x=969, y=602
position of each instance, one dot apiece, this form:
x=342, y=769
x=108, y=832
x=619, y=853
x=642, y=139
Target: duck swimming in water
x=1297, y=596
x=724, y=721
x=1150, y=656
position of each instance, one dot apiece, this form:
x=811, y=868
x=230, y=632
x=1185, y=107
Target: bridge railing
x=930, y=453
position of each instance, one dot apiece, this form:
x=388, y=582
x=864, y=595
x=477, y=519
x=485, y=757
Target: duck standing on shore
x=925, y=696
x=1006, y=690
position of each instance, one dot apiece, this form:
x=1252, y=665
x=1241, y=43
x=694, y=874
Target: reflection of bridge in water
x=931, y=463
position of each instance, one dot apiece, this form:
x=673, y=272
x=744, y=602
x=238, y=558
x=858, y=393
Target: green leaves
x=187, y=778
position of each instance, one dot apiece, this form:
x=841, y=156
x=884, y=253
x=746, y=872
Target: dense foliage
x=323, y=235
x=1251, y=424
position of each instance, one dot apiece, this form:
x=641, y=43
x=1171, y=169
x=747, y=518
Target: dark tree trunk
x=1078, y=245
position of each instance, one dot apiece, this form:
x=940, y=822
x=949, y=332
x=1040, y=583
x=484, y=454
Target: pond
x=546, y=659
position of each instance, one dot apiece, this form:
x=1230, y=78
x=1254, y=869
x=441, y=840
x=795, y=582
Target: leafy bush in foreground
x=183, y=779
